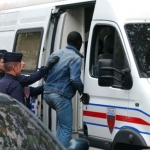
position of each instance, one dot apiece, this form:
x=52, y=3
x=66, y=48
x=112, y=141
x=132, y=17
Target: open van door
x=31, y=28
x=69, y=18
x=53, y=43
x=65, y=22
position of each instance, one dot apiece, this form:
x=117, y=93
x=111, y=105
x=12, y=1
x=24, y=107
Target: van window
x=106, y=43
x=139, y=39
x=28, y=42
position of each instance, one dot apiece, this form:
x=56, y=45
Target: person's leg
x=58, y=130
x=51, y=100
x=65, y=123
x=63, y=107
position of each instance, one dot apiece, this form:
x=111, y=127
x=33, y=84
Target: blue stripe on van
x=118, y=128
x=135, y=109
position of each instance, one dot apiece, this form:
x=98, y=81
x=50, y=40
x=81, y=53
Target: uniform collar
x=73, y=48
x=2, y=74
x=10, y=76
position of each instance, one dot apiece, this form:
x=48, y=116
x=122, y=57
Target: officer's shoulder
x=14, y=83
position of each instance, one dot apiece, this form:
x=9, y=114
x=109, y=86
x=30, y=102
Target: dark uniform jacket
x=10, y=85
x=2, y=75
x=23, y=82
x=28, y=80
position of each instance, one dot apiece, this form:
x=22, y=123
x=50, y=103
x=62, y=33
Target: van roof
x=122, y=10
x=12, y=4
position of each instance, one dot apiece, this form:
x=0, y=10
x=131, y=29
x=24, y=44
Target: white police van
x=115, y=111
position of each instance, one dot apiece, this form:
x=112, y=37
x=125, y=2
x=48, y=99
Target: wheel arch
x=126, y=138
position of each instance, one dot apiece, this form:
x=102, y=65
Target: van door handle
x=86, y=98
x=137, y=104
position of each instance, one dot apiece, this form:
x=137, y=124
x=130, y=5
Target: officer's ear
x=14, y=66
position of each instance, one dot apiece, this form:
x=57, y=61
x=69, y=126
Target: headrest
x=109, y=41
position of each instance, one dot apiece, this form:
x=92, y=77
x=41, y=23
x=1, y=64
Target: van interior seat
x=109, y=43
x=105, y=56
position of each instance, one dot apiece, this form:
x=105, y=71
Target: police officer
x=9, y=83
x=2, y=72
x=28, y=80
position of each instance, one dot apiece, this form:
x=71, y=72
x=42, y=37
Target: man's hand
x=81, y=98
x=53, y=61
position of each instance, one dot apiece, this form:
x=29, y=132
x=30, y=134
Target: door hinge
x=54, y=16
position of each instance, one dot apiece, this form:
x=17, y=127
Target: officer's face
x=1, y=65
x=22, y=65
x=18, y=69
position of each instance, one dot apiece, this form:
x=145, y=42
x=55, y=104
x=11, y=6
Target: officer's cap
x=2, y=52
x=12, y=57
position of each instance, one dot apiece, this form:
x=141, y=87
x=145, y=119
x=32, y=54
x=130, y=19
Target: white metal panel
x=74, y=22
x=140, y=94
x=23, y=3
x=6, y=40
x=12, y=19
x=2, y=19
x=36, y=15
x=58, y=36
x=122, y=10
x=12, y=4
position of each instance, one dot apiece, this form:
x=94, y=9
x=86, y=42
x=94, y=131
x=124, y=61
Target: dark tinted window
x=139, y=38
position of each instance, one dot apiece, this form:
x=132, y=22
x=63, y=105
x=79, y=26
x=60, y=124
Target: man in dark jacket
x=9, y=83
x=2, y=72
x=27, y=80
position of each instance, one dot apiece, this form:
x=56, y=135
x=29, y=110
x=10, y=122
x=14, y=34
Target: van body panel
x=14, y=4
x=122, y=11
x=109, y=109
x=5, y=38
x=138, y=110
